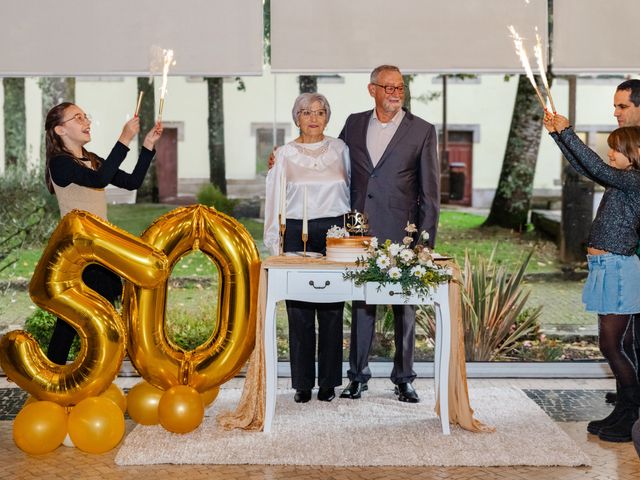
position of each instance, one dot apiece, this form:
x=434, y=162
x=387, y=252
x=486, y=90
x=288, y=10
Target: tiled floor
x=569, y=402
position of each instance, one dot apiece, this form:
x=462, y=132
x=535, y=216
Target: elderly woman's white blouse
x=323, y=168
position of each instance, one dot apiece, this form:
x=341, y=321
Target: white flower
x=395, y=273
x=383, y=261
x=394, y=249
x=374, y=242
x=410, y=228
x=337, y=232
x=424, y=258
x=407, y=240
x=407, y=255
x=425, y=235
x=418, y=271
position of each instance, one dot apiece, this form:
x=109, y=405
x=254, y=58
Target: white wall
x=486, y=104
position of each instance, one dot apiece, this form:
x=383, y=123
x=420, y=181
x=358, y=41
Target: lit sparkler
x=139, y=104
x=524, y=60
x=167, y=63
x=537, y=50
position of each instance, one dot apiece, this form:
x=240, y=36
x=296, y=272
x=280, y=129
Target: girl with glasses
x=611, y=289
x=78, y=177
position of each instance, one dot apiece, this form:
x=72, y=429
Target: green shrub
x=494, y=318
x=211, y=196
x=28, y=213
x=41, y=324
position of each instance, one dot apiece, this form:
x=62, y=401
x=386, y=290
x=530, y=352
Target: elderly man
x=395, y=179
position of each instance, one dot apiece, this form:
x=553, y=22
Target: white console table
x=323, y=282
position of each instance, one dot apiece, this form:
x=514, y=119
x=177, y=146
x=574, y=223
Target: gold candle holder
x=282, y=229
x=305, y=237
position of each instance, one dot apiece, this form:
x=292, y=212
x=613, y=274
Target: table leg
x=442, y=354
x=271, y=363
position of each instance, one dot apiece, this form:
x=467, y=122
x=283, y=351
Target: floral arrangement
x=410, y=267
x=337, y=232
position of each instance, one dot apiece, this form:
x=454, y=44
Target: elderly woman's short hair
x=304, y=101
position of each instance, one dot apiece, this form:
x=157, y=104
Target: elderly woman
x=318, y=166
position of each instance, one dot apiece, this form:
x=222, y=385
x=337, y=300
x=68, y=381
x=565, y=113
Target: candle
x=283, y=198
x=305, y=221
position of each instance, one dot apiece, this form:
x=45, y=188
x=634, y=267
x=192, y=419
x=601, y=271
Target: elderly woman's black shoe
x=326, y=394
x=302, y=396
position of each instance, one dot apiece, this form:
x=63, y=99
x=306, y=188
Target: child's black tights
x=612, y=329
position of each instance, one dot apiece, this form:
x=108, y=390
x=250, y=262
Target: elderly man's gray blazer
x=405, y=184
x=403, y=187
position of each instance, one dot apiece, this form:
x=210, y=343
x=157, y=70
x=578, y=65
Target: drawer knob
x=326, y=284
x=392, y=293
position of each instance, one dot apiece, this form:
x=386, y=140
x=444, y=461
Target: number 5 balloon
x=79, y=240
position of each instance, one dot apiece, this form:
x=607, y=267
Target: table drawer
x=317, y=283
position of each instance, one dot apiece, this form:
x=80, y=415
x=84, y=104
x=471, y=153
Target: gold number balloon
x=230, y=246
x=79, y=240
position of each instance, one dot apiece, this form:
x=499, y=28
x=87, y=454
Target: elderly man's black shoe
x=326, y=394
x=354, y=390
x=406, y=393
x=302, y=396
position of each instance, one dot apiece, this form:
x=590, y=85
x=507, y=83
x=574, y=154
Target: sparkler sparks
x=167, y=63
x=524, y=60
x=537, y=50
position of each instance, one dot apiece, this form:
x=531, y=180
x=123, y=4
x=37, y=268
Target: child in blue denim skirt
x=612, y=287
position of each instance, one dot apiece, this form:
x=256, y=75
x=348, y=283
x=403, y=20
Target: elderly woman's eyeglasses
x=389, y=89
x=79, y=117
x=322, y=113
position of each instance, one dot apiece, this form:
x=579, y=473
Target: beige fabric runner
x=249, y=414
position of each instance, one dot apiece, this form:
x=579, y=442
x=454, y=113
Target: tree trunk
x=511, y=203
x=407, y=79
x=54, y=91
x=15, y=124
x=308, y=83
x=217, y=175
x=148, y=191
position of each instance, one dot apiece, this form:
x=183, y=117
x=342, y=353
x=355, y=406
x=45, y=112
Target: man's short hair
x=382, y=68
x=634, y=88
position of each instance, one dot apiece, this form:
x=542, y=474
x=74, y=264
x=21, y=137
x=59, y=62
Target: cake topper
x=356, y=223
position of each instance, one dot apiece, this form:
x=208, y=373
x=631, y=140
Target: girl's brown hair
x=54, y=144
x=626, y=140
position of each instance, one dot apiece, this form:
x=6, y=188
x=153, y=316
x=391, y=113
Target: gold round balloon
x=209, y=396
x=96, y=425
x=40, y=427
x=79, y=240
x=181, y=409
x=116, y=395
x=231, y=248
x=142, y=403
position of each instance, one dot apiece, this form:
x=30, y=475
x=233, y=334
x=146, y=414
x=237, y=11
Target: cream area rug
x=375, y=430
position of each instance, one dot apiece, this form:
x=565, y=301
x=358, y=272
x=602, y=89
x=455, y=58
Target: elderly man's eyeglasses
x=79, y=117
x=322, y=113
x=389, y=89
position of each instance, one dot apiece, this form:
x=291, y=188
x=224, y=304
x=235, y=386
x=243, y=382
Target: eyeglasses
x=322, y=113
x=79, y=117
x=389, y=89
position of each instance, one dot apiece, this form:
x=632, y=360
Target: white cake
x=347, y=249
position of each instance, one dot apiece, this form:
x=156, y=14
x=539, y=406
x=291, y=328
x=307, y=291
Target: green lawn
x=460, y=231
x=457, y=232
